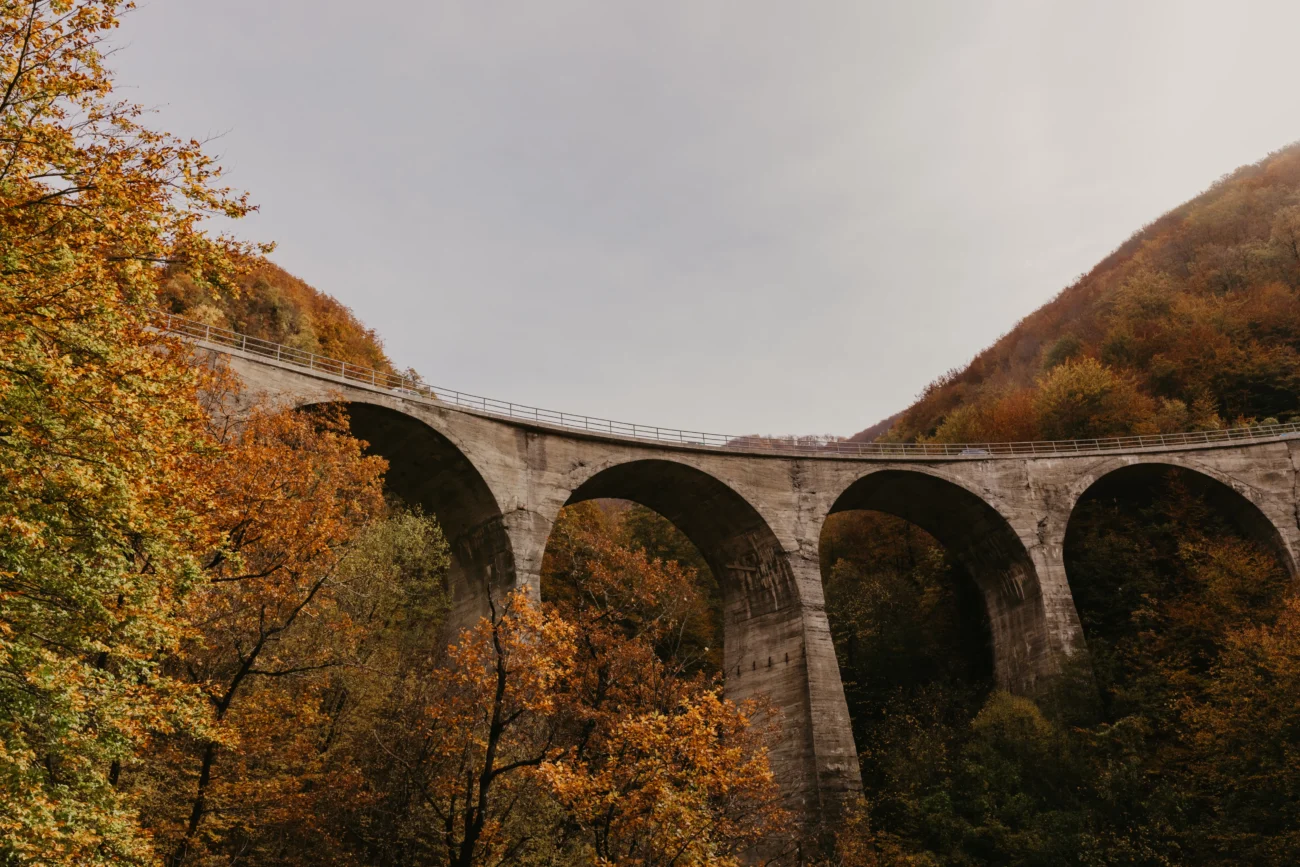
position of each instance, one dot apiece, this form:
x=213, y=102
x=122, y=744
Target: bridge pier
x=482, y=565
x=498, y=557
x=1061, y=631
x=1032, y=617
x=835, y=755
x=529, y=532
x=778, y=650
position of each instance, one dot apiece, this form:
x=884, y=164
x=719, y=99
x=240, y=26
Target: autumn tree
x=1243, y=731
x=1010, y=417
x=391, y=584
x=100, y=424
x=668, y=595
x=1084, y=399
x=460, y=733
x=689, y=785
x=661, y=770
x=700, y=640
x=580, y=730
x=305, y=576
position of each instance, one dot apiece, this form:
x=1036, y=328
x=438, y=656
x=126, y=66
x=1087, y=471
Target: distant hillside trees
x=267, y=302
x=1192, y=323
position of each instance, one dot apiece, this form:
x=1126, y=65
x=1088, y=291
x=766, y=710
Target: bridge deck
x=279, y=355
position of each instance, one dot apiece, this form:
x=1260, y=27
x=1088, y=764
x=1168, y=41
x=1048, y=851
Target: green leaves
x=101, y=431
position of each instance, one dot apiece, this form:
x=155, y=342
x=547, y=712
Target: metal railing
x=412, y=389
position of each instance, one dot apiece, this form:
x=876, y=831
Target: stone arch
x=984, y=542
x=1242, y=504
x=733, y=537
x=774, y=645
x=427, y=469
x=1122, y=490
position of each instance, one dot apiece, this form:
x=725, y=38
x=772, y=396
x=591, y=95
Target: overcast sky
x=734, y=217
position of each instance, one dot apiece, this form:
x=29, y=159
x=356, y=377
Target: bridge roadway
x=497, y=484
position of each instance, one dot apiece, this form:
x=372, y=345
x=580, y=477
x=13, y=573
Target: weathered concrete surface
x=497, y=486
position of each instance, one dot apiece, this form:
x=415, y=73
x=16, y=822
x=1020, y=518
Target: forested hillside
x=1192, y=323
x=264, y=300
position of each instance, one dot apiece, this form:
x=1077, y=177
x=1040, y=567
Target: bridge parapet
x=227, y=341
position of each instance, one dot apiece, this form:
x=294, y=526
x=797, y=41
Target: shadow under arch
x=1152, y=550
x=981, y=539
x=1216, y=489
x=426, y=469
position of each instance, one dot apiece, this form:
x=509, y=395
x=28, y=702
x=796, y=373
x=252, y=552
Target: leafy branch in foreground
x=102, y=435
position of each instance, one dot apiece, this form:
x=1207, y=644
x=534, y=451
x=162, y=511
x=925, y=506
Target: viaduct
x=496, y=475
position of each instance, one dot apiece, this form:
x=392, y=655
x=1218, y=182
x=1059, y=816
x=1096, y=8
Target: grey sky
x=737, y=217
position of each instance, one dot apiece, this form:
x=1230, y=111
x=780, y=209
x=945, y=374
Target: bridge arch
x=1126, y=555
x=982, y=539
x=1241, y=503
x=767, y=647
x=427, y=469
x=736, y=541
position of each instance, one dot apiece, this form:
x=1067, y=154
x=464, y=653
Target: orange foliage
x=495, y=713
x=289, y=493
x=596, y=569
x=689, y=786
x=100, y=425
x=570, y=731
x=1009, y=418
x=666, y=770
x=272, y=304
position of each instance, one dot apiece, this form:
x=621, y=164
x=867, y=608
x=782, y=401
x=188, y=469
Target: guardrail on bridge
x=410, y=388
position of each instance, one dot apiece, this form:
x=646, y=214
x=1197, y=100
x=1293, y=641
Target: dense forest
x=222, y=640
x=265, y=301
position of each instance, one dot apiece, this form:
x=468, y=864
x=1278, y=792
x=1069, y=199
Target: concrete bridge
x=755, y=509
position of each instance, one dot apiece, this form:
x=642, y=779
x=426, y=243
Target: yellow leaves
x=521, y=650
x=103, y=432
x=1083, y=399
x=597, y=577
x=668, y=771
x=688, y=786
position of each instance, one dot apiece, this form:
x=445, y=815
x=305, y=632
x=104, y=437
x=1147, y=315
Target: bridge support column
x=1061, y=630
x=778, y=647
x=497, y=557
x=529, y=533
x=1032, y=619
x=839, y=776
